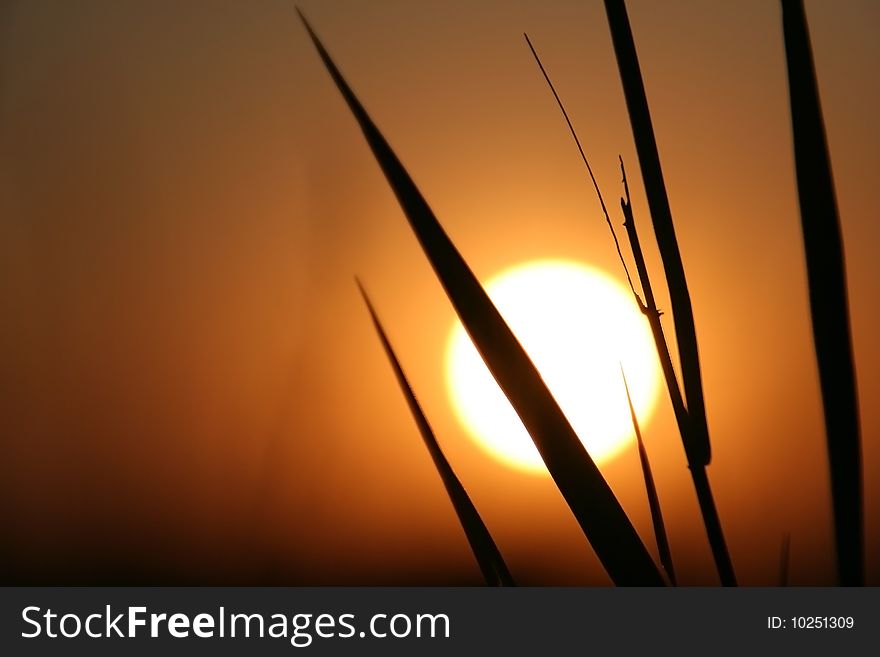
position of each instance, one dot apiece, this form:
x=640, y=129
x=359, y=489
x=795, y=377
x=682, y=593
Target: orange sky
x=191, y=388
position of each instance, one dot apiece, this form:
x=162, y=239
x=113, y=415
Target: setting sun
x=578, y=325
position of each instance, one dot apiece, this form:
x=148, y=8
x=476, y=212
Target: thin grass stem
x=485, y=550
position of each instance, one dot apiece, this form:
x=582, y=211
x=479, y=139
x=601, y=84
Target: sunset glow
x=577, y=324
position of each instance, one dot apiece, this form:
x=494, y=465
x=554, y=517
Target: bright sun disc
x=578, y=325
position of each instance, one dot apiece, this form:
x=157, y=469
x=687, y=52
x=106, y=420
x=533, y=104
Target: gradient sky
x=191, y=389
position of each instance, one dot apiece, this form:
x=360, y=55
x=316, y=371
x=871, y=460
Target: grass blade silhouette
x=651, y=490
x=698, y=472
x=652, y=174
x=696, y=438
x=579, y=480
x=484, y=548
x=586, y=162
x=826, y=278
x=649, y=308
x=658, y=202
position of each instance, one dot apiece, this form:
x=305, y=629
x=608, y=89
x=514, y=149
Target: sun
x=578, y=325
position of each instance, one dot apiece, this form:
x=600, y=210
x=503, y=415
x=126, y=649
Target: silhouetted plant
x=696, y=435
x=588, y=495
x=650, y=310
x=651, y=490
x=826, y=279
x=591, y=500
x=485, y=550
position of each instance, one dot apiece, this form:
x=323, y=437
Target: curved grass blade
x=651, y=490
x=484, y=548
x=826, y=279
x=586, y=162
x=696, y=437
x=579, y=480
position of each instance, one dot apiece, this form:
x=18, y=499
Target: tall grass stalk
x=696, y=438
x=698, y=472
x=826, y=279
x=591, y=500
x=485, y=550
x=650, y=310
x=661, y=215
x=651, y=490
